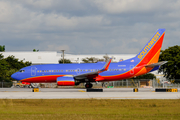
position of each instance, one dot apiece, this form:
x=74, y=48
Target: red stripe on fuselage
x=42, y=79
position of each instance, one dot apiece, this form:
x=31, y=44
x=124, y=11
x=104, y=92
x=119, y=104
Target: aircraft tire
x=89, y=85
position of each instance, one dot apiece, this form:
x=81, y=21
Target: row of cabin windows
x=90, y=70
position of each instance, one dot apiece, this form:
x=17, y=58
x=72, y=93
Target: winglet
x=106, y=66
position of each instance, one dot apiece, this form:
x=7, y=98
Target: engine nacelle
x=65, y=81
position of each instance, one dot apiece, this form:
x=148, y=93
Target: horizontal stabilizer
x=156, y=64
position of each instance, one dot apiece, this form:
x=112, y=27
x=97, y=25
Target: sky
x=87, y=26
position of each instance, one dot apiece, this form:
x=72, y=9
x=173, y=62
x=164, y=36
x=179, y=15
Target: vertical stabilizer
x=150, y=53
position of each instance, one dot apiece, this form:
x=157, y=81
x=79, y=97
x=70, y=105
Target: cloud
x=91, y=26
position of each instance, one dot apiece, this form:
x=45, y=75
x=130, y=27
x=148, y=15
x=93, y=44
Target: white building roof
x=52, y=57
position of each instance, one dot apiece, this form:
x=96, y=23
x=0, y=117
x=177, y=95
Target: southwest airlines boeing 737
x=74, y=74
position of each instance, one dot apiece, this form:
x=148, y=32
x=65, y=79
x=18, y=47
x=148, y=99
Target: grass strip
x=89, y=109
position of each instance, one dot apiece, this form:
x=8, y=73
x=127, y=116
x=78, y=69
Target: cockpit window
x=22, y=71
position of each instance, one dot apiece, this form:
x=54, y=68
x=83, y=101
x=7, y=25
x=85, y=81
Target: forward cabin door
x=131, y=69
x=33, y=71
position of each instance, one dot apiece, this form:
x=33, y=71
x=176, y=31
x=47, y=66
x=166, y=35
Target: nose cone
x=14, y=76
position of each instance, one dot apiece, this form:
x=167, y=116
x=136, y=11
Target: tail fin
x=150, y=53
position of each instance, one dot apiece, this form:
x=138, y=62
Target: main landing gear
x=88, y=85
x=33, y=85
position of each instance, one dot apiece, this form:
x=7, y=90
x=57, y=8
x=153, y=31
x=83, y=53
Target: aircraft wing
x=94, y=74
x=156, y=64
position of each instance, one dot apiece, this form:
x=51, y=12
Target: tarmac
x=108, y=93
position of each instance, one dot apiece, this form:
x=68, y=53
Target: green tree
x=95, y=60
x=106, y=58
x=90, y=60
x=10, y=65
x=146, y=76
x=2, y=48
x=171, y=69
x=34, y=50
x=65, y=61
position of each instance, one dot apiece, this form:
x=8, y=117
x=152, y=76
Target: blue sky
x=87, y=26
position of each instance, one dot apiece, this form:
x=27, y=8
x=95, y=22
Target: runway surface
x=108, y=93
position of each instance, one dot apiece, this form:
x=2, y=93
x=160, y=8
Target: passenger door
x=33, y=71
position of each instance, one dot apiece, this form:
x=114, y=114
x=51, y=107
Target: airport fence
x=143, y=83
x=5, y=84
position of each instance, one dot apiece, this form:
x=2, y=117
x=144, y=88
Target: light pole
x=63, y=55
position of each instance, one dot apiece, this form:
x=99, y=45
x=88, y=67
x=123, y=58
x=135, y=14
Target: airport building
x=52, y=57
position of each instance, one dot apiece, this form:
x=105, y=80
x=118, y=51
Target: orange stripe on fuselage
x=145, y=70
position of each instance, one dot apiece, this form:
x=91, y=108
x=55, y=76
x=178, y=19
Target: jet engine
x=65, y=81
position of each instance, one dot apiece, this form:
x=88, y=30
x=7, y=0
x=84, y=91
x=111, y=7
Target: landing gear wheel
x=89, y=85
